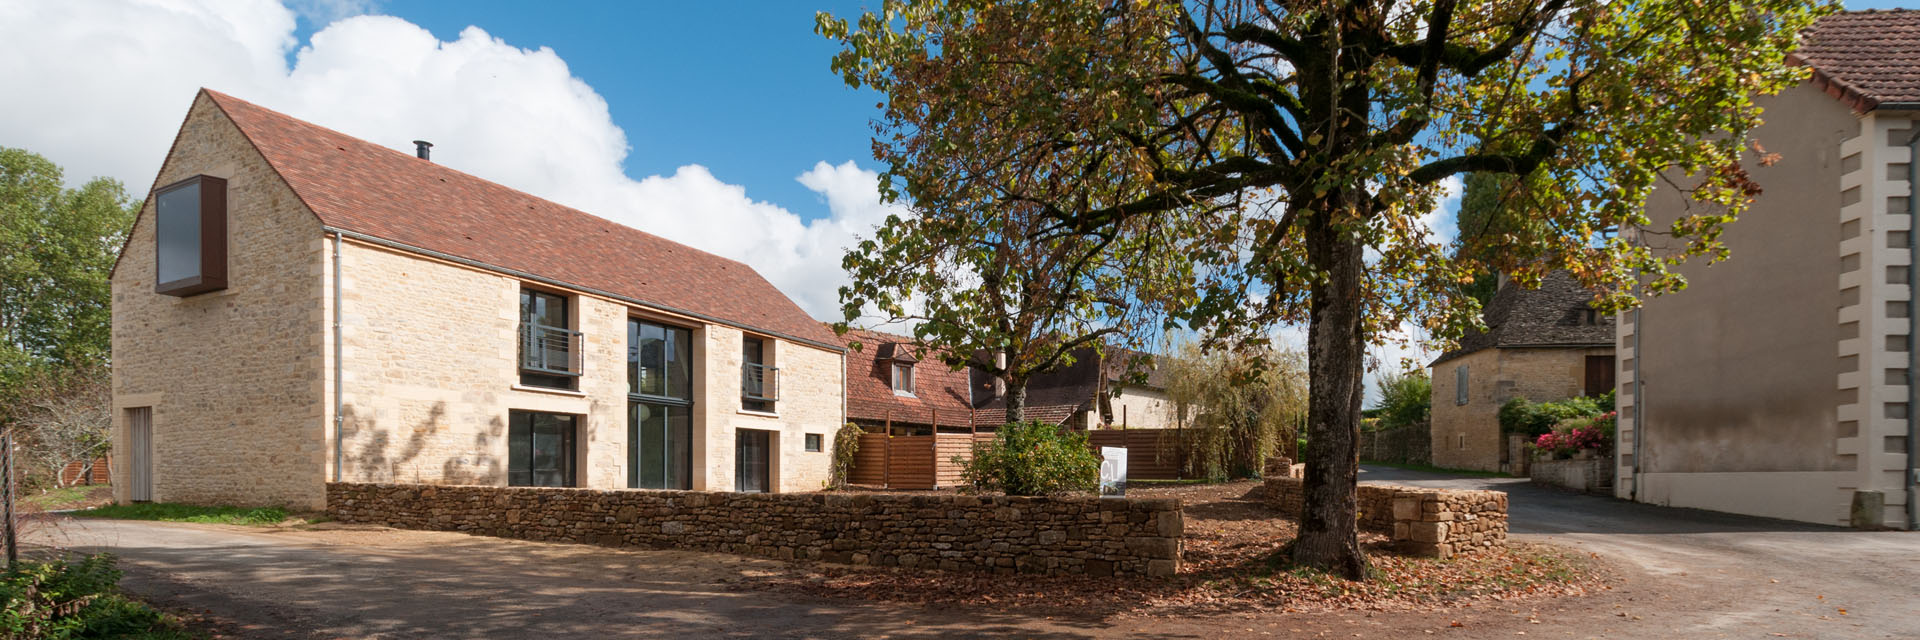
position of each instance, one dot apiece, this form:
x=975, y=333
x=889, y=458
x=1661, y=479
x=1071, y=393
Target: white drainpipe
x=339, y=400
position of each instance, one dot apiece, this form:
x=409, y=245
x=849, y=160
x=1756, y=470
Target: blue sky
x=741, y=88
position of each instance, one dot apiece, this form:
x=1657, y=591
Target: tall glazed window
x=659, y=406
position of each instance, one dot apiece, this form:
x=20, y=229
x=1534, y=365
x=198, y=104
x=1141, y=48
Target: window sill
x=763, y=414
x=557, y=392
x=905, y=394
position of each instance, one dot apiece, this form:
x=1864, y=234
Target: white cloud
x=109, y=81
x=1441, y=222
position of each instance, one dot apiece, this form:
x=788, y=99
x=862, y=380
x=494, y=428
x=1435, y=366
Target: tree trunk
x=1329, y=536
x=1016, y=399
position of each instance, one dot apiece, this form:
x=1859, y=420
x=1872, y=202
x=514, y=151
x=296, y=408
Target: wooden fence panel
x=910, y=462
x=951, y=473
x=1152, y=454
x=870, y=462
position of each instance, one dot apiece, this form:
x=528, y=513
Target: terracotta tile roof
x=1053, y=414
x=1865, y=58
x=367, y=189
x=1052, y=396
x=1554, y=315
x=937, y=389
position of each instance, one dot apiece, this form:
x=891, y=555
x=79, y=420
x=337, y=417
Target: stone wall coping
x=836, y=498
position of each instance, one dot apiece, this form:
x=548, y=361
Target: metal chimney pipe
x=423, y=149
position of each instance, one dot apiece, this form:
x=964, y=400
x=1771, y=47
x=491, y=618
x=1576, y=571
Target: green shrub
x=75, y=599
x=1405, y=399
x=1032, y=459
x=846, y=443
x=1534, y=419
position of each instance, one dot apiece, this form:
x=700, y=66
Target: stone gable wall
x=1423, y=522
x=233, y=377
x=1094, y=536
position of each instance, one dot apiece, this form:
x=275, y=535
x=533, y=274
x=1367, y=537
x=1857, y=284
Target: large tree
x=56, y=247
x=1318, y=132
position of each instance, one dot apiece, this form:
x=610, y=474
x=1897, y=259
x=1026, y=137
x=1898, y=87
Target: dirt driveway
x=1681, y=573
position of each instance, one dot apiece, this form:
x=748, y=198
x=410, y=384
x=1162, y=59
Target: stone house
x=1543, y=344
x=1779, y=382
x=296, y=306
x=893, y=384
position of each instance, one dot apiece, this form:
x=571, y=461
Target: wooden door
x=140, y=454
x=1599, y=375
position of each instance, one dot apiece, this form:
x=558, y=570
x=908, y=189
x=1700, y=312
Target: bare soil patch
x=1234, y=561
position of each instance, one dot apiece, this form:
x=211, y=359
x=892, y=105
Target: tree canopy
x=57, y=246
x=1295, y=147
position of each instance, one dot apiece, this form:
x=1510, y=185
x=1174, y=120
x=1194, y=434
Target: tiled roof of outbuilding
x=371, y=190
x=870, y=396
x=1865, y=58
x=1554, y=315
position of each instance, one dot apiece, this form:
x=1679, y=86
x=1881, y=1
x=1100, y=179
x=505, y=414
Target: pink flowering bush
x=1576, y=434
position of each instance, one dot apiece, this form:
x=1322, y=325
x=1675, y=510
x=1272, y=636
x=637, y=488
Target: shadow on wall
x=378, y=461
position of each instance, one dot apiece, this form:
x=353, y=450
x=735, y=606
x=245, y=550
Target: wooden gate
x=914, y=462
x=140, y=449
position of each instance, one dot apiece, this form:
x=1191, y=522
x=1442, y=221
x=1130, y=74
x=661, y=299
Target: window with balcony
x=659, y=406
x=190, y=237
x=549, y=347
x=759, y=380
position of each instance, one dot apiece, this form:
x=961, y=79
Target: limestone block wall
x=1424, y=522
x=1467, y=436
x=1096, y=536
x=432, y=374
x=233, y=377
x=810, y=401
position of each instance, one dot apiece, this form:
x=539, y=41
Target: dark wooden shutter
x=1599, y=375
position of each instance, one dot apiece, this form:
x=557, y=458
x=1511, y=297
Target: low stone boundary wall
x=1095, y=536
x=1424, y=522
x=1594, y=475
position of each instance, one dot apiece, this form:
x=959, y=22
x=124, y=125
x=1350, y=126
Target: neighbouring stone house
x=1779, y=382
x=1095, y=391
x=295, y=306
x=891, y=383
x=1544, y=344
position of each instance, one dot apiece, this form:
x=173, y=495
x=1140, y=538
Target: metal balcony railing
x=549, y=350
x=759, y=382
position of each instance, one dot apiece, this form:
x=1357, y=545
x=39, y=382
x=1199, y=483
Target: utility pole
x=6, y=495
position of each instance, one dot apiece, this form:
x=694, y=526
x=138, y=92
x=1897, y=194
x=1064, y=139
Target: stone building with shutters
x=1544, y=344
x=296, y=306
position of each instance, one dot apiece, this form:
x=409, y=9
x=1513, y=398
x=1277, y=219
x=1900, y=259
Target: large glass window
x=659, y=360
x=190, y=236
x=540, y=449
x=659, y=406
x=548, y=347
x=659, y=446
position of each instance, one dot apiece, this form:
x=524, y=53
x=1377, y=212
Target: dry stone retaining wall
x=1095, y=536
x=1424, y=522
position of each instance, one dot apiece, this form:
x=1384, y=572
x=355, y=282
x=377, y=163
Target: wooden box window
x=190, y=236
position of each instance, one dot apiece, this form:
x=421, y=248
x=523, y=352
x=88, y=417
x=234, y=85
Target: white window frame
x=903, y=378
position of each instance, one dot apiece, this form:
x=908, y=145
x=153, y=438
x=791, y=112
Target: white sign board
x=1113, y=472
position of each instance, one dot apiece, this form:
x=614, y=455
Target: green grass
x=1433, y=469
x=168, y=512
x=60, y=498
